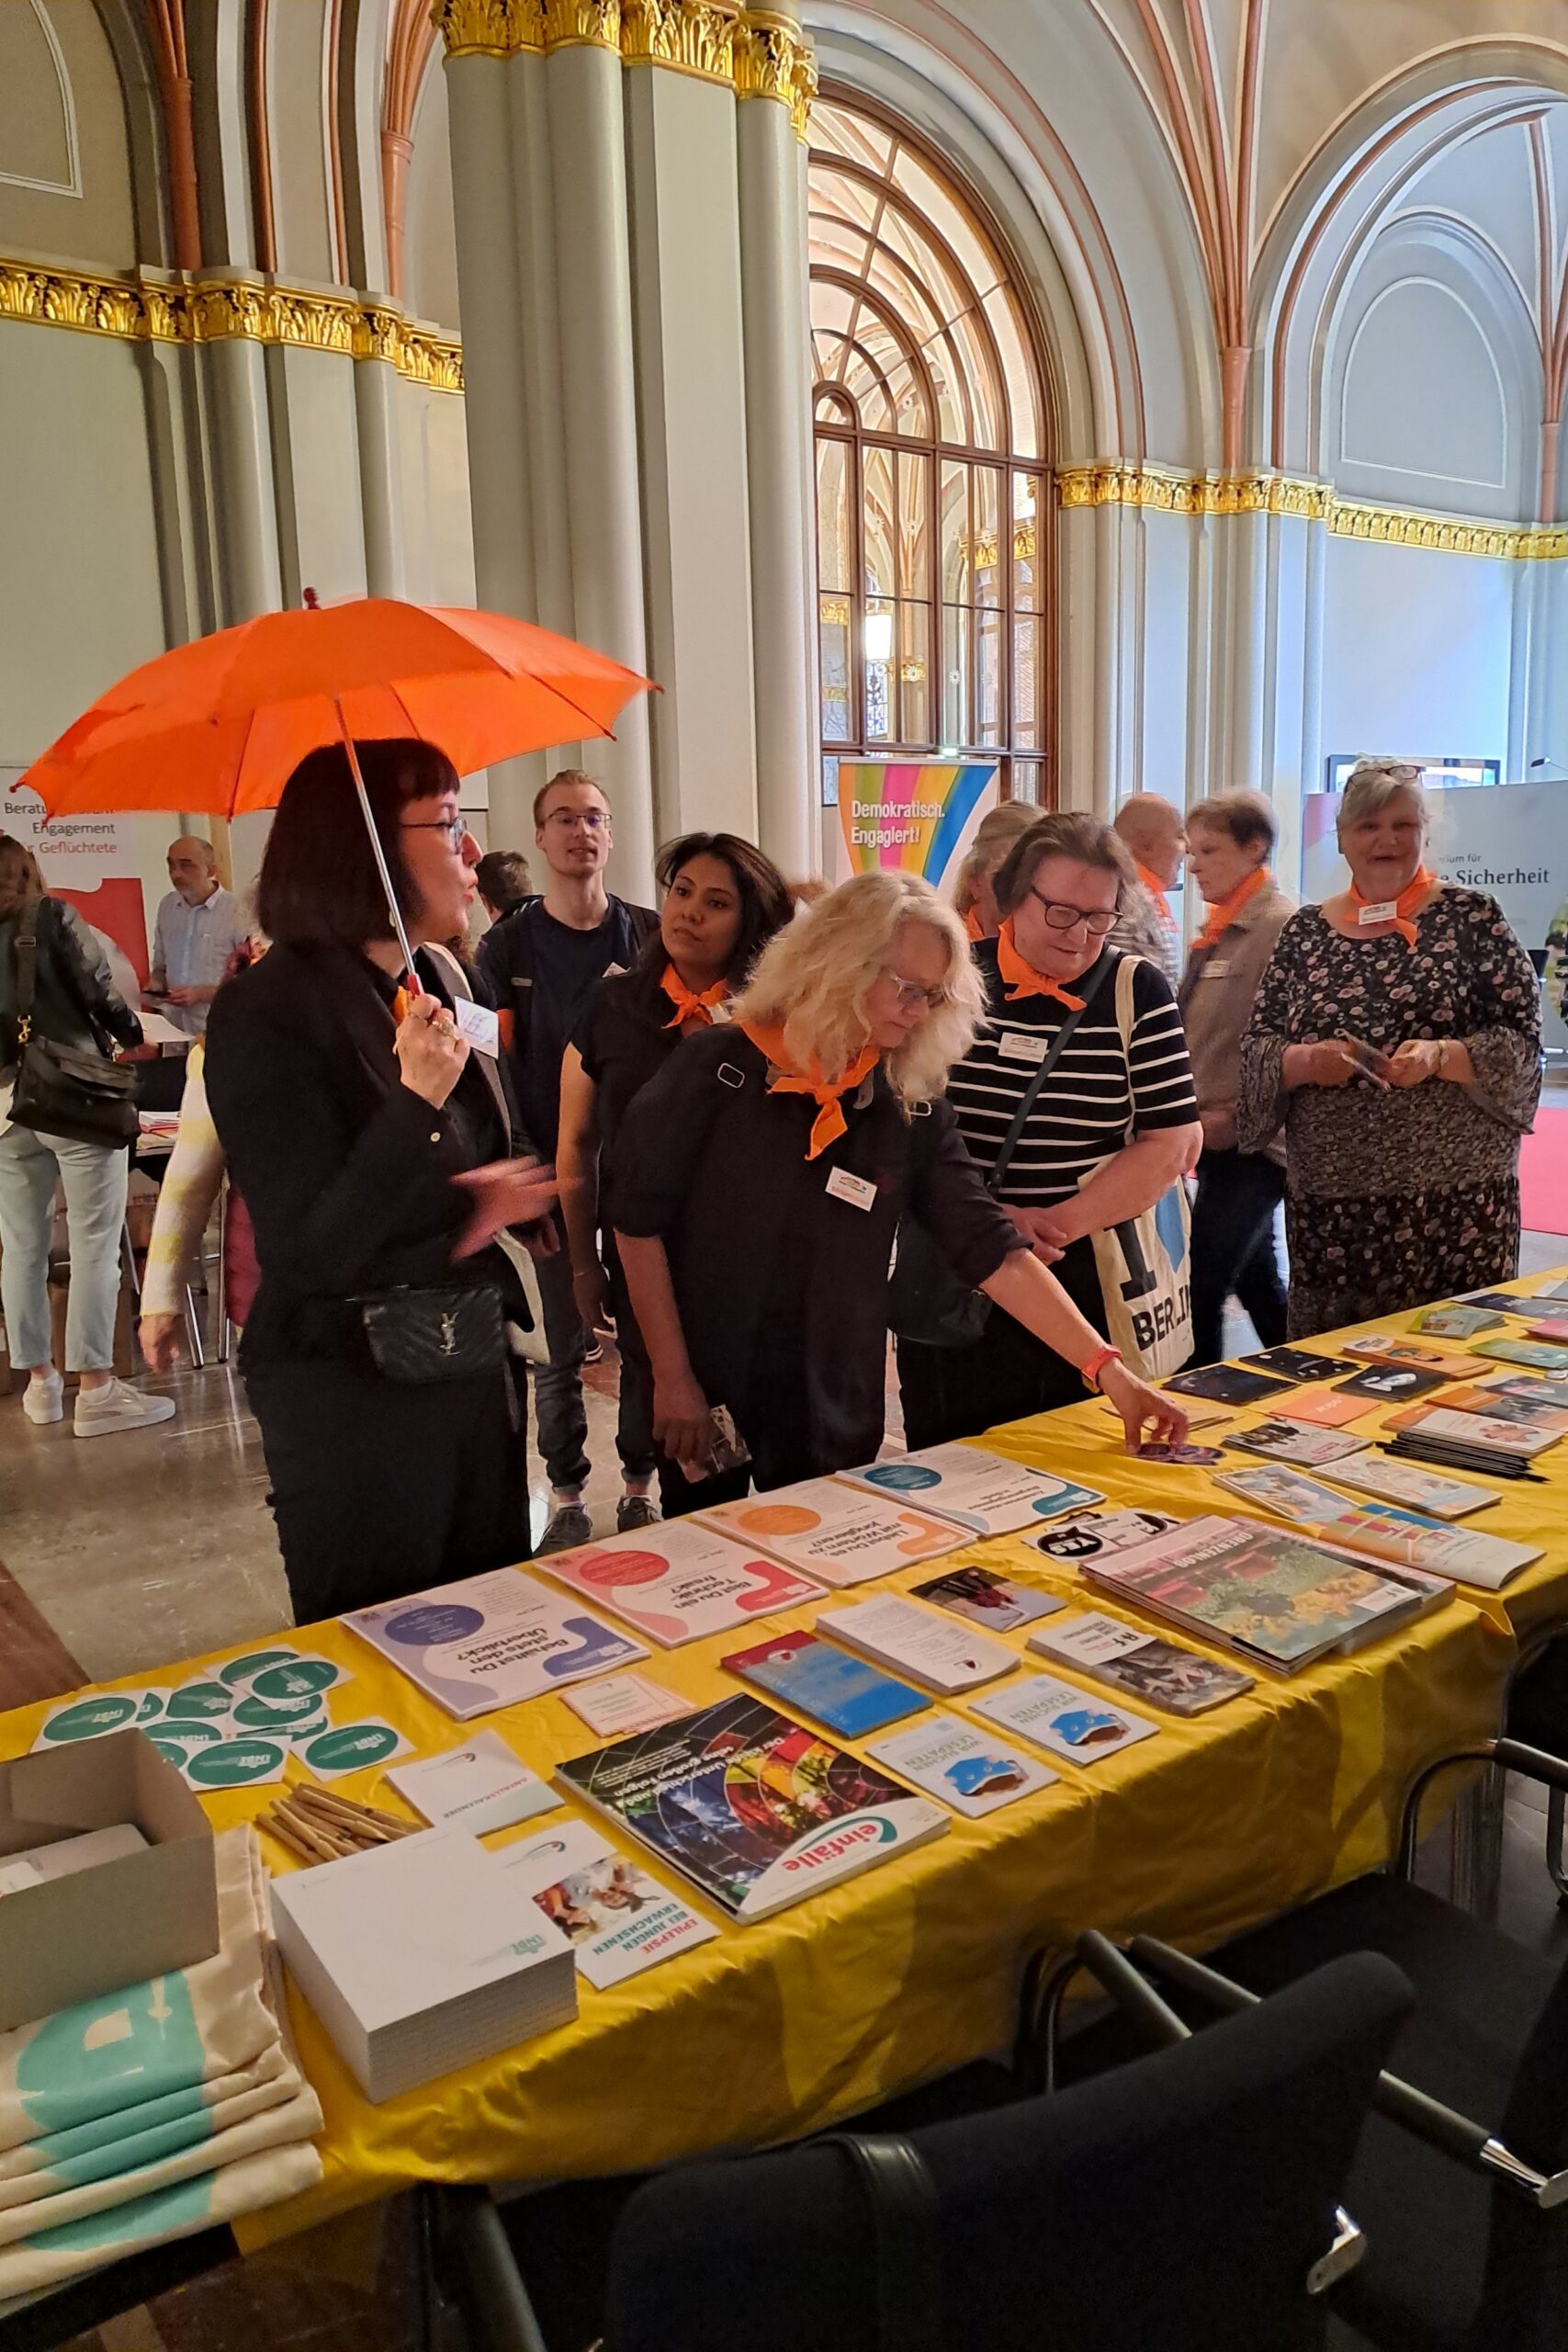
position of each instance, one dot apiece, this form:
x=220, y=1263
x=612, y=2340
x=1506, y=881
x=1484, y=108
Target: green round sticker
x=108, y=1712
x=294, y=1679
x=277, y=1714
x=186, y=1735
x=233, y=1762
x=199, y=1699
x=173, y=1751
x=351, y=1747
x=239, y=1669
x=152, y=1707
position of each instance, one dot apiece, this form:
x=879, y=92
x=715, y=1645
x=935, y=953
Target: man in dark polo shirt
x=541, y=962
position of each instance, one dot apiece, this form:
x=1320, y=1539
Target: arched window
x=934, y=547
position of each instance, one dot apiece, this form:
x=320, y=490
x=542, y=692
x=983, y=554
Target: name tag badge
x=479, y=1025
x=1022, y=1045
x=1215, y=971
x=1385, y=911
x=860, y=1192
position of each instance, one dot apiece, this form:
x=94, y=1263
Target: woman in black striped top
x=1073, y=1170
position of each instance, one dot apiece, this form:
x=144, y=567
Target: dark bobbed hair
x=20, y=881
x=504, y=879
x=1246, y=816
x=318, y=884
x=766, y=902
x=1062, y=832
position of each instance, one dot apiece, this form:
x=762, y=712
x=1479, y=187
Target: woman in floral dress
x=1397, y=1034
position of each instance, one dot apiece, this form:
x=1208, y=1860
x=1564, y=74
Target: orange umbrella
x=221, y=723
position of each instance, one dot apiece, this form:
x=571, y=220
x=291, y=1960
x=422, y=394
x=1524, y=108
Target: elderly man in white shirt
x=199, y=924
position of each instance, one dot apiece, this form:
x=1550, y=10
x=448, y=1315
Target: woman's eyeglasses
x=1061, y=917
x=912, y=997
x=455, y=828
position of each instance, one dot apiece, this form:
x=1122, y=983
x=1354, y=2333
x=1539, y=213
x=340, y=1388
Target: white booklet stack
x=942, y=1653
x=422, y=1956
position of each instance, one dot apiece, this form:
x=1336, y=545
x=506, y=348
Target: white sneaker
x=44, y=1399
x=100, y=1411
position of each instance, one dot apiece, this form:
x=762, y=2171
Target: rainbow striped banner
x=910, y=814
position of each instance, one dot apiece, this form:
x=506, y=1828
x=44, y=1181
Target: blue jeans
x=94, y=1177
x=1234, y=1248
x=557, y=1385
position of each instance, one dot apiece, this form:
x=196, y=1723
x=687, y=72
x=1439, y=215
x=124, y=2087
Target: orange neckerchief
x=400, y=1007
x=831, y=1122
x=687, y=1006
x=1156, y=889
x=1404, y=905
x=1221, y=916
x=973, y=928
x=1022, y=979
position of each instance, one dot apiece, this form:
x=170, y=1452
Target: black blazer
x=346, y=1173
x=777, y=1279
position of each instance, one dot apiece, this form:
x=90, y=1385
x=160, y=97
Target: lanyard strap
x=1047, y=1064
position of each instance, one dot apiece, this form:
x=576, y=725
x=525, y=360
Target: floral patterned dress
x=1397, y=1198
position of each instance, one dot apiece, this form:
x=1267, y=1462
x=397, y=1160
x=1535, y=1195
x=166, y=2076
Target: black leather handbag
x=73, y=1092
x=928, y=1302
x=451, y=1331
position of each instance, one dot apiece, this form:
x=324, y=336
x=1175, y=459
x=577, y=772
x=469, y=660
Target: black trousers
x=1234, y=1248
x=1007, y=1375
x=380, y=1490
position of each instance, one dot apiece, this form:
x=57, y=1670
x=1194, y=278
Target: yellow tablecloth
x=785, y=2026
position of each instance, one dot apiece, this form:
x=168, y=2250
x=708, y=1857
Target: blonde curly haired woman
x=760, y=1179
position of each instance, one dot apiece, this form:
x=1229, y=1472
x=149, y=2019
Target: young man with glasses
x=1113, y=1127
x=542, y=962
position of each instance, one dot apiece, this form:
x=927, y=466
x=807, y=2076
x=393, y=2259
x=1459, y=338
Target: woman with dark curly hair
x=1397, y=1036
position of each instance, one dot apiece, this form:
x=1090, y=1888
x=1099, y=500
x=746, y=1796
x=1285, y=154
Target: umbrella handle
x=377, y=850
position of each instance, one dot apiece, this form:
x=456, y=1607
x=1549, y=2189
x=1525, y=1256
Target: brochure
x=617, y=1920
x=937, y=1651
x=1063, y=1719
x=1272, y=1595
x=623, y=1703
x=1228, y=1384
x=837, y=1533
x=1386, y=1347
x=987, y=1598
x=1330, y=1409
x=1457, y=1322
x=1300, y=1365
x=1286, y=1441
x=1405, y=1482
x=984, y=1492
x=846, y=1693
x=1538, y=1353
x=492, y=1640
x=479, y=1787
x=954, y=1762
x=1500, y=1401
x=1485, y=1431
x=1393, y=1384
x=1099, y=1533
x=1381, y=1531
x=1140, y=1665
x=756, y=1811
x=1505, y=1302
x=1534, y=1387
x=679, y=1582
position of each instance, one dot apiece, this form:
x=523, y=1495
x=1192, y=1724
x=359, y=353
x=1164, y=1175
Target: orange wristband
x=1097, y=1364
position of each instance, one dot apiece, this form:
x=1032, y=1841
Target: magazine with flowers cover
x=754, y=1810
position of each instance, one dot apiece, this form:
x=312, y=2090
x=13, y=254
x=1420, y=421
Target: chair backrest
x=1179, y=2202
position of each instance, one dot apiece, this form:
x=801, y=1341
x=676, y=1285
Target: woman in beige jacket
x=1230, y=840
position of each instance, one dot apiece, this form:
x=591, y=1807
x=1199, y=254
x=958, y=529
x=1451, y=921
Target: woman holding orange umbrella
x=363, y=1114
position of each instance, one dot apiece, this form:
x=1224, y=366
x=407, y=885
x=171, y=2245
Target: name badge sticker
x=1385, y=911
x=859, y=1191
x=1022, y=1045
x=1213, y=971
x=479, y=1025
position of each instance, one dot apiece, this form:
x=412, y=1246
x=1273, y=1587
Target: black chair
x=1461, y=2181
x=1186, y=2203
x=1535, y=1713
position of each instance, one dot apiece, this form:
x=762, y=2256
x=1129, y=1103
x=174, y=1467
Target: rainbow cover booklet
x=754, y=1810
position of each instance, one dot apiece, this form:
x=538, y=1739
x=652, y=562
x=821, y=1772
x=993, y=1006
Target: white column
x=779, y=479
x=250, y=571
x=479, y=96
x=374, y=401
x=691, y=377
x=599, y=408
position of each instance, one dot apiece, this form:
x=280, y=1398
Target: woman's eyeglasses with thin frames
x=1061, y=916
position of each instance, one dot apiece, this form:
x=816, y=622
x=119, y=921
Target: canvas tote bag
x=1145, y=1264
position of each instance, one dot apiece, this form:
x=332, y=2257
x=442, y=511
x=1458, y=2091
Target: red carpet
x=1543, y=1174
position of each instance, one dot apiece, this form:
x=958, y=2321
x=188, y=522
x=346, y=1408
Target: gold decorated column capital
x=583, y=24
x=774, y=60
x=489, y=28
x=693, y=36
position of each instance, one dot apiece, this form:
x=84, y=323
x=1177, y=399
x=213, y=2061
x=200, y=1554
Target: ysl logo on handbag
x=448, y=1334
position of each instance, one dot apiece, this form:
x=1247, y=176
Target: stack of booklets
x=1381, y=1530
x=1277, y=1599
x=846, y=1693
x=1141, y=1665
x=942, y=1653
x=1412, y=1487
x=617, y=1920
x=492, y=1640
x=836, y=1533
x=982, y=1492
x=422, y=1956
x=680, y=1580
x=754, y=1810
x=1474, y=1431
